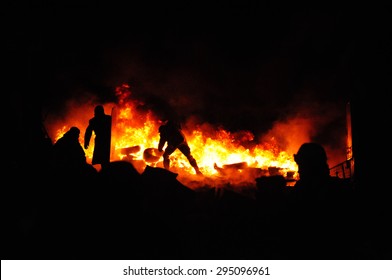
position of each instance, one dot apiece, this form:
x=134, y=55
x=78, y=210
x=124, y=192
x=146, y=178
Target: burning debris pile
x=223, y=157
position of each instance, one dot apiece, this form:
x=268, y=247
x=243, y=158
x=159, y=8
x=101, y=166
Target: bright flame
x=220, y=154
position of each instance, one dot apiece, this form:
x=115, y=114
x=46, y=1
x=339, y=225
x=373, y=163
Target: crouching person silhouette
x=171, y=133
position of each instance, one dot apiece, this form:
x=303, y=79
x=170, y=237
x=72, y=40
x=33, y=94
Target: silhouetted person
x=323, y=216
x=67, y=151
x=101, y=125
x=171, y=133
x=313, y=170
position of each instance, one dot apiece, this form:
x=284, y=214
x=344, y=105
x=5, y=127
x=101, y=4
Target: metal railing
x=342, y=170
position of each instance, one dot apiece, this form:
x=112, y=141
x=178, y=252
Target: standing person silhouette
x=171, y=133
x=101, y=125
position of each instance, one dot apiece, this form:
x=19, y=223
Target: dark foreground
x=122, y=214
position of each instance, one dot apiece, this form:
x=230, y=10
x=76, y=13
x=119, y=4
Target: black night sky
x=232, y=58
x=269, y=53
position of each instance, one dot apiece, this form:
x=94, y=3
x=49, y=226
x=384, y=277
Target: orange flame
x=222, y=156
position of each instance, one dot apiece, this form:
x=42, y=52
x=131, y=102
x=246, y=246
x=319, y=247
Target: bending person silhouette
x=101, y=125
x=171, y=133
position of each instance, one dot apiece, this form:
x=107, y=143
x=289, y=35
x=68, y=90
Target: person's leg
x=166, y=160
x=187, y=152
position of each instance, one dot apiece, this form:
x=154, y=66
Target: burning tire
x=151, y=155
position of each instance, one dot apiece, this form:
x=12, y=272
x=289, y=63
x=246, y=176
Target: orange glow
x=220, y=154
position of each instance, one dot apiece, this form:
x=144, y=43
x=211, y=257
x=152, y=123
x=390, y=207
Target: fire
x=221, y=155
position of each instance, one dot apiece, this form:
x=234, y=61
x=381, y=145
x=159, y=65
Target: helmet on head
x=310, y=153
